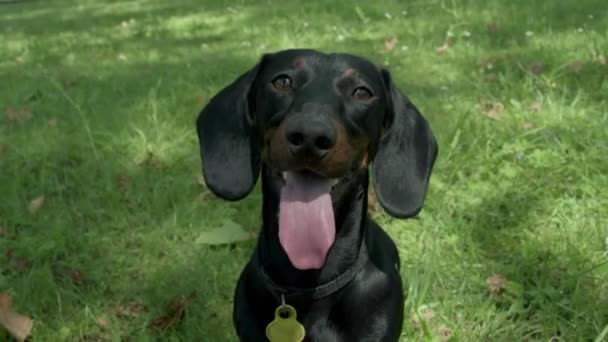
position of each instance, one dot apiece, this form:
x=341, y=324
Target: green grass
x=98, y=85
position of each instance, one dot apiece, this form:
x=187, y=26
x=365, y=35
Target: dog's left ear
x=228, y=143
x=405, y=157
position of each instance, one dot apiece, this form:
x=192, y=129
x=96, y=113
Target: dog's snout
x=310, y=137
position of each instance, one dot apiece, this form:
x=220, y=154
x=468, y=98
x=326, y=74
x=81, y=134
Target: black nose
x=310, y=137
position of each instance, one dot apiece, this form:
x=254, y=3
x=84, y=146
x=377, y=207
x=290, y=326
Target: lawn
x=104, y=222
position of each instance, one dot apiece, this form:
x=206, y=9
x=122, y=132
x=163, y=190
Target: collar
x=280, y=293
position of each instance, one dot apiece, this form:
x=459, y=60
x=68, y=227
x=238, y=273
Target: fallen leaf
x=19, y=264
x=228, y=232
x=123, y=181
x=496, y=284
x=443, y=49
x=128, y=202
x=67, y=81
x=5, y=301
x=103, y=322
x=17, y=325
x=537, y=68
x=535, y=107
x=425, y=313
x=36, y=204
x=444, y=333
x=200, y=100
x=428, y=314
x=576, y=67
x=152, y=161
x=95, y=338
x=493, y=109
x=10, y=253
x=174, y=313
x=52, y=123
x=76, y=276
x=20, y=115
x=11, y=114
x=490, y=78
x=130, y=311
x=390, y=43
x=526, y=126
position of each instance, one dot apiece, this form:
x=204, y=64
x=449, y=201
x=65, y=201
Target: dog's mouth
x=337, y=184
x=307, y=226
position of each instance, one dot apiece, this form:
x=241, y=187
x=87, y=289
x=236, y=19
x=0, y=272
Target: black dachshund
x=312, y=123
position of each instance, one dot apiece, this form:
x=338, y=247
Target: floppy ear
x=228, y=143
x=406, y=154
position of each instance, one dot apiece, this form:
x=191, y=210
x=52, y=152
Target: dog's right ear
x=228, y=144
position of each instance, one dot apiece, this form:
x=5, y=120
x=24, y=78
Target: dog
x=313, y=124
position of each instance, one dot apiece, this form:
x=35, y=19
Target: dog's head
x=316, y=121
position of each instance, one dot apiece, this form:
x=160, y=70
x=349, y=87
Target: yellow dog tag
x=285, y=327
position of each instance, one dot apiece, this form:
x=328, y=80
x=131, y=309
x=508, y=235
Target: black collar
x=313, y=293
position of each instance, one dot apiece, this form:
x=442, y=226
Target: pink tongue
x=306, y=220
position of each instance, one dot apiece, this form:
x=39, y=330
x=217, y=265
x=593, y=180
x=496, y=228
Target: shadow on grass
x=558, y=289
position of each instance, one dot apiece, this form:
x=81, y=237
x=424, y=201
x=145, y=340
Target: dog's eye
x=282, y=82
x=362, y=94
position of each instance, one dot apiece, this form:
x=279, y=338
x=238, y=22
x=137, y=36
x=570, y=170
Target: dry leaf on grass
x=201, y=100
x=390, y=43
x=151, y=161
x=492, y=110
x=444, y=333
x=17, y=263
x=36, y=204
x=425, y=313
x=52, y=123
x=22, y=114
x=76, y=276
x=496, y=284
x=130, y=311
x=537, y=68
x=123, y=181
x=103, y=322
x=443, y=48
x=535, y=107
x=526, y=126
x=17, y=325
x=576, y=67
x=174, y=313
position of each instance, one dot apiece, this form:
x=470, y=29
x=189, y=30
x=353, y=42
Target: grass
x=98, y=101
